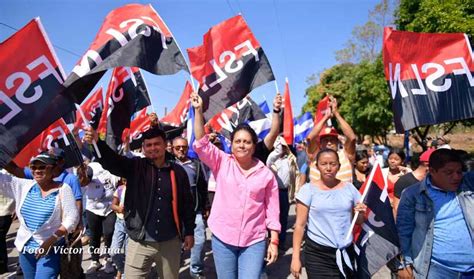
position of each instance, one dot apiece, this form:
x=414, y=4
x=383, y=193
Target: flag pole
x=366, y=190
x=87, y=124
x=276, y=86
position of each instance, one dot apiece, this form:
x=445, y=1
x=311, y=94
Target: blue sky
x=298, y=37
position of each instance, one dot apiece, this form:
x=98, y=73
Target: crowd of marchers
x=146, y=206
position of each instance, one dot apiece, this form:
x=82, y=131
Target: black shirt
x=160, y=225
x=404, y=182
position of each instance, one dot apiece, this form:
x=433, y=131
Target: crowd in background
x=145, y=206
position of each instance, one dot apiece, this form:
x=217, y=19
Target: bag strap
x=174, y=189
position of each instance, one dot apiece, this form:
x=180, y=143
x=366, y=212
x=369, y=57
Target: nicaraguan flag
x=262, y=126
x=190, y=133
x=303, y=126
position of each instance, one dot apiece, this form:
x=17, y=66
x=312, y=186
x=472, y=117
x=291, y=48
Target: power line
x=282, y=43
x=240, y=8
x=230, y=6
x=56, y=46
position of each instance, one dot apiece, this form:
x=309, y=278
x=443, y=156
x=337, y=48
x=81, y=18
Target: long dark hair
x=400, y=154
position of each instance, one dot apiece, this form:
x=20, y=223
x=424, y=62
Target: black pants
x=100, y=225
x=5, y=222
x=320, y=261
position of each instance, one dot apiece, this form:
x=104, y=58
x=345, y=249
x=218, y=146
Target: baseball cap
x=45, y=158
x=57, y=152
x=328, y=132
x=425, y=156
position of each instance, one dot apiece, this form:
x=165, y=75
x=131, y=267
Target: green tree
x=335, y=81
x=367, y=106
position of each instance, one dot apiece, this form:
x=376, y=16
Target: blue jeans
x=119, y=241
x=196, y=265
x=234, y=262
x=437, y=271
x=42, y=268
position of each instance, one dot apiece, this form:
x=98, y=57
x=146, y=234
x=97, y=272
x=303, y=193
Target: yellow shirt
x=344, y=173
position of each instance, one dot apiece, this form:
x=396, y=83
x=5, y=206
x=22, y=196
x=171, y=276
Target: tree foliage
x=358, y=82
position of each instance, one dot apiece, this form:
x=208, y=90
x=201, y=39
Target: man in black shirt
x=411, y=178
x=159, y=208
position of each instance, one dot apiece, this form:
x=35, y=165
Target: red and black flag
x=31, y=79
x=134, y=36
x=126, y=94
x=430, y=77
x=92, y=108
x=229, y=65
x=244, y=111
x=56, y=135
x=178, y=115
x=288, y=122
x=377, y=238
x=138, y=126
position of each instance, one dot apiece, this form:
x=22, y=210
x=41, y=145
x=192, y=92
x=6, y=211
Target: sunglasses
x=40, y=167
x=177, y=147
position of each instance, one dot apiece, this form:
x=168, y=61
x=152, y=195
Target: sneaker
x=18, y=270
x=93, y=267
x=109, y=267
x=197, y=275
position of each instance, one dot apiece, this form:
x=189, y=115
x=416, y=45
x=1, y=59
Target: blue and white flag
x=265, y=109
x=262, y=126
x=190, y=133
x=303, y=126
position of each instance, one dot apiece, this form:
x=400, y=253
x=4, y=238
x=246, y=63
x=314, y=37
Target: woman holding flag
x=327, y=207
x=245, y=205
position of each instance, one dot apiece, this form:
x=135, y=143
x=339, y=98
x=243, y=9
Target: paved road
x=278, y=270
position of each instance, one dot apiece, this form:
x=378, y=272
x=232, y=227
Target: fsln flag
x=287, y=115
x=56, y=135
x=229, y=65
x=303, y=126
x=244, y=111
x=430, y=77
x=92, y=108
x=126, y=94
x=180, y=112
x=134, y=36
x=377, y=238
x=138, y=126
x=321, y=109
x=31, y=82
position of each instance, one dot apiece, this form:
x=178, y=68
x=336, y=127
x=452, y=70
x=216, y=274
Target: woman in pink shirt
x=245, y=205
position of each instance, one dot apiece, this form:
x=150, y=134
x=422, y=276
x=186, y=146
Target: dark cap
x=154, y=133
x=57, y=152
x=45, y=158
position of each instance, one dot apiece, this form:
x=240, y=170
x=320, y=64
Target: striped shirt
x=36, y=211
x=344, y=173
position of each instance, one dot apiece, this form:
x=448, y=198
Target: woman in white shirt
x=46, y=211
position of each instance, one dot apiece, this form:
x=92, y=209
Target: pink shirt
x=244, y=206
